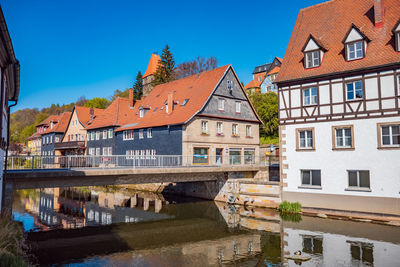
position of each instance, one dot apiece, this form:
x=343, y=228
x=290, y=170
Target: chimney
x=91, y=113
x=170, y=102
x=131, y=98
x=378, y=12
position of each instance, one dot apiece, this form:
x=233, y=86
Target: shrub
x=290, y=207
x=11, y=243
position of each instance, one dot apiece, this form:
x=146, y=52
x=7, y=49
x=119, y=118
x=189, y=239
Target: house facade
x=207, y=118
x=9, y=89
x=264, y=76
x=73, y=142
x=339, y=108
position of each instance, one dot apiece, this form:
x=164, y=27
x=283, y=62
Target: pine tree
x=138, y=87
x=166, y=69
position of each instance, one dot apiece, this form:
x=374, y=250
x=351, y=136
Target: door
x=218, y=156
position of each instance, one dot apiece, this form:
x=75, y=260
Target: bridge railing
x=128, y=161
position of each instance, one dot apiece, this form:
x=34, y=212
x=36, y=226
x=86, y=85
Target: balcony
x=70, y=145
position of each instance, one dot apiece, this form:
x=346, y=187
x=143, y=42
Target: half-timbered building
x=339, y=107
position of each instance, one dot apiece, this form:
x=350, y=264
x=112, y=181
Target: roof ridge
x=317, y=5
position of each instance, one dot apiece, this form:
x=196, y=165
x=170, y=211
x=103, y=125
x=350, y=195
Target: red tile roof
x=253, y=84
x=153, y=64
x=116, y=114
x=84, y=115
x=328, y=23
x=274, y=70
x=60, y=123
x=196, y=89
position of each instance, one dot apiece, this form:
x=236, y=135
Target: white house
x=339, y=107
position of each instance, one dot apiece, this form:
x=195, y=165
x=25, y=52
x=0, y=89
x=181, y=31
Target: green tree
x=119, y=93
x=97, y=102
x=166, y=69
x=266, y=106
x=138, y=86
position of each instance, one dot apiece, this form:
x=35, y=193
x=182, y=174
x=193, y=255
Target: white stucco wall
x=384, y=165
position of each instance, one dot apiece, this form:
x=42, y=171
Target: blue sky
x=73, y=48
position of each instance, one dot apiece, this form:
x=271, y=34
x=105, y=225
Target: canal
x=109, y=226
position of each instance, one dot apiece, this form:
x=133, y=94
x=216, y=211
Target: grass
x=12, y=243
x=269, y=140
x=290, y=207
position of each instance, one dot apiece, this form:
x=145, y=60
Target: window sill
x=235, y=136
x=204, y=134
x=220, y=135
x=249, y=137
x=310, y=187
x=310, y=105
x=388, y=147
x=305, y=149
x=359, y=189
x=343, y=148
x=355, y=100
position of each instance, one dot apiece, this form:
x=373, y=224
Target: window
x=153, y=154
x=88, y=136
x=57, y=139
x=311, y=177
x=398, y=84
x=51, y=139
x=204, y=127
x=107, y=151
x=354, y=90
x=358, y=179
x=98, y=151
x=355, y=50
x=312, y=245
x=219, y=128
x=93, y=136
x=235, y=129
x=249, y=156
x=128, y=135
x=150, y=133
x=110, y=133
x=141, y=113
x=104, y=134
x=235, y=156
x=184, y=102
x=92, y=151
x=200, y=155
x=363, y=252
x=310, y=96
x=398, y=40
x=221, y=104
x=248, y=130
x=130, y=154
x=238, y=106
x=389, y=135
x=97, y=135
x=313, y=59
x=230, y=85
x=141, y=134
x=305, y=139
x=342, y=137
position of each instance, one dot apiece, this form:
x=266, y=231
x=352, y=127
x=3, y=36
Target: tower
x=148, y=77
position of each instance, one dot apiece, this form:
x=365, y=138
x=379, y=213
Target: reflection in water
x=103, y=227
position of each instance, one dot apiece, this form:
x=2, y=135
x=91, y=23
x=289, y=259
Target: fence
x=123, y=161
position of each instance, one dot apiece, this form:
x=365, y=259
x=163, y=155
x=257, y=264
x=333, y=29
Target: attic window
x=184, y=102
x=230, y=85
x=397, y=33
x=313, y=53
x=355, y=44
x=141, y=113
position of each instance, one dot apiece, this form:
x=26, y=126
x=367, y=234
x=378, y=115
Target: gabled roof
x=196, y=89
x=329, y=22
x=274, y=70
x=48, y=120
x=117, y=113
x=84, y=115
x=153, y=64
x=354, y=27
x=59, y=124
x=35, y=135
x=253, y=84
x=316, y=41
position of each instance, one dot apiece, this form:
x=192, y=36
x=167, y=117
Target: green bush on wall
x=290, y=207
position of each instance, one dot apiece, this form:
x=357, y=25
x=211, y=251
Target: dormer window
x=313, y=59
x=396, y=31
x=141, y=113
x=313, y=53
x=355, y=44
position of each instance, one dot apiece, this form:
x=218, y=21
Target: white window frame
x=105, y=134
x=248, y=130
x=391, y=135
x=311, y=58
x=353, y=45
x=97, y=135
x=128, y=135
x=343, y=133
x=141, y=113
x=307, y=144
x=98, y=151
x=130, y=154
x=110, y=133
x=238, y=106
x=93, y=136
x=149, y=133
x=398, y=40
x=398, y=81
x=105, y=151
x=235, y=129
x=354, y=90
x=88, y=136
x=141, y=133
x=358, y=186
x=312, y=99
x=204, y=127
x=221, y=104
x=220, y=128
x=92, y=151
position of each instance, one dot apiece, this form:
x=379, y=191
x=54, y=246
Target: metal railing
x=123, y=161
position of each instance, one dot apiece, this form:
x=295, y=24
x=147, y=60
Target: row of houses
x=206, y=117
